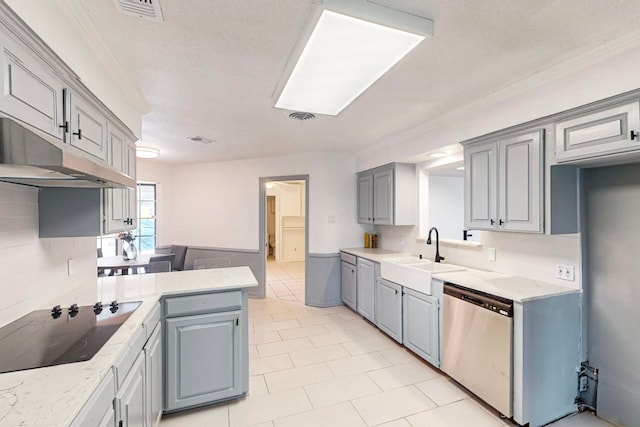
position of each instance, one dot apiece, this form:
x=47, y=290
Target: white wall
x=33, y=271
x=216, y=204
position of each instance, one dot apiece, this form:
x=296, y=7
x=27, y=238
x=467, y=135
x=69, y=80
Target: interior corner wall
x=217, y=204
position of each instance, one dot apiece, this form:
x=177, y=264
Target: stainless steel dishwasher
x=477, y=344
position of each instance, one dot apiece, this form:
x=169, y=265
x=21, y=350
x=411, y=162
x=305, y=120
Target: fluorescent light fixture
x=460, y=168
x=438, y=154
x=147, y=152
x=269, y=186
x=352, y=44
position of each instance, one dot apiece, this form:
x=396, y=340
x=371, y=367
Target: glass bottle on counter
x=374, y=240
x=367, y=241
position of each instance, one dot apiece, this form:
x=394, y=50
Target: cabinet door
x=153, y=367
x=601, y=133
x=131, y=396
x=365, y=289
x=480, y=186
x=130, y=170
x=203, y=359
x=99, y=409
x=520, y=190
x=109, y=419
x=383, y=198
x=349, y=284
x=389, y=308
x=116, y=210
x=117, y=155
x=420, y=325
x=88, y=130
x=30, y=93
x=365, y=199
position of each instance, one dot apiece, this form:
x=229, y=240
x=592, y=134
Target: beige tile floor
x=328, y=367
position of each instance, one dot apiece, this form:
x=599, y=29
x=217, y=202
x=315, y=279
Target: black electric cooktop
x=61, y=335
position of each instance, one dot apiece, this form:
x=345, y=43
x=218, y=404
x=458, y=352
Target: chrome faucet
x=437, y=258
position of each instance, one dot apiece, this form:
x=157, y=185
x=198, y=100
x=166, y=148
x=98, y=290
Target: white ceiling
x=211, y=68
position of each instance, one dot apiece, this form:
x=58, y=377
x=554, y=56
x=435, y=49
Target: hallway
x=285, y=280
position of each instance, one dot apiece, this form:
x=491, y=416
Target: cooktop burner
x=58, y=336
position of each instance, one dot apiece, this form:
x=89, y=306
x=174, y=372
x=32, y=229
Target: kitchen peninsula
x=56, y=395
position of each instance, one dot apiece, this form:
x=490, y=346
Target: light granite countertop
x=518, y=289
x=54, y=395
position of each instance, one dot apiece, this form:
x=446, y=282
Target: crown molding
x=553, y=73
x=83, y=23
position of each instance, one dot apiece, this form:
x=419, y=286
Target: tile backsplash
x=34, y=272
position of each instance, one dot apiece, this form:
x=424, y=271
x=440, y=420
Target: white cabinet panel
x=130, y=399
x=88, y=130
x=153, y=372
x=383, y=197
x=387, y=195
x=611, y=131
x=30, y=93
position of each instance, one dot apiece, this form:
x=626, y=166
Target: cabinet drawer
x=351, y=259
x=122, y=366
x=204, y=303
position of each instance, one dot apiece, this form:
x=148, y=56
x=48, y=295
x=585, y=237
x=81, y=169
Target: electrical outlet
x=584, y=383
x=71, y=267
x=566, y=272
x=491, y=253
x=331, y=219
x=402, y=241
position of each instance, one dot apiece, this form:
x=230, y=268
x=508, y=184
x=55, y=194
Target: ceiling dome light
x=147, y=152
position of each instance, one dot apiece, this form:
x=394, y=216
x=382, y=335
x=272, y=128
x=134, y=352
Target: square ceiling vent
x=145, y=9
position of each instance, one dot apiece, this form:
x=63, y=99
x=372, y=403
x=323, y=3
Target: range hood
x=31, y=157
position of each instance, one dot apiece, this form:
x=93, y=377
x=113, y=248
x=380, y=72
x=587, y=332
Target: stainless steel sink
x=413, y=272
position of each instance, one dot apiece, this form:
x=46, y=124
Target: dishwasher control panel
x=498, y=305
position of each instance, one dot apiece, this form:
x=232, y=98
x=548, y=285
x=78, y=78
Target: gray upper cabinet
x=365, y=293
x=387, y=195
x=421, y=325
x=389, y=308
x=31, y=93
x=504, y=184
x=365, y=199
x=520, y=194
x=88, y=128
x=606, y=132
x=480, y=186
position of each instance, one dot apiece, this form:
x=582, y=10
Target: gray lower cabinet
x=206, y=349
x=349, y=284
x=130, y=399
x=420, y=325
x=389, y=308
x=153, y=372
x=365, y=288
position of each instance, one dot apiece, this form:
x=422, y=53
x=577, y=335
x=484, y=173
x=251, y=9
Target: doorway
x=284, y=231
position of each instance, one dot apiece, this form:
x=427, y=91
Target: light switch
x=491, y=252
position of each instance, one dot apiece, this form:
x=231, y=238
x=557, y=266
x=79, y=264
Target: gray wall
x=613, y=269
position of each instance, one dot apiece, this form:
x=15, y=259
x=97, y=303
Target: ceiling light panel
x=344, y=55
x=147, y=152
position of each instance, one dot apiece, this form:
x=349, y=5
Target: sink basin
x=413, y=272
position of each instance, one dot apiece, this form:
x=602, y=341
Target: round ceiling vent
x=300, y=115
x=200, y=139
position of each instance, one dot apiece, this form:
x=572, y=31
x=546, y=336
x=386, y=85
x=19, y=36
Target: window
x=146, y=232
